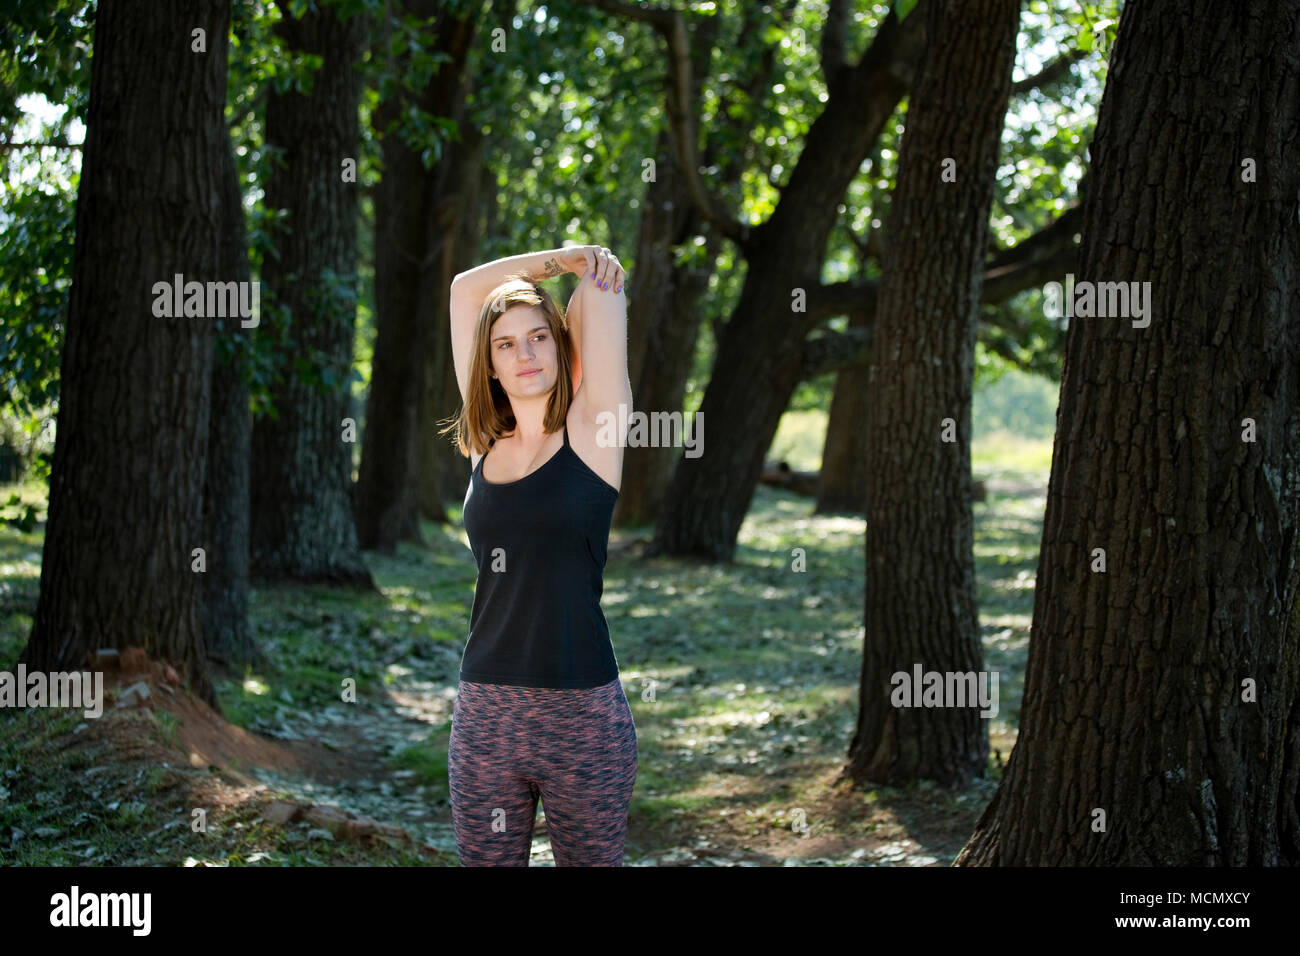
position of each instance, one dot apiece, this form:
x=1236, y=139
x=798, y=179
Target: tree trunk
x=920, y=606
x=412, y=221
x=126, y=492
x=302, y=465
x=1141, y=741
x=842, y=485
x=663, y=326
x=453, y=469
x=440, y=461
x=226, y=497
x=759, y=357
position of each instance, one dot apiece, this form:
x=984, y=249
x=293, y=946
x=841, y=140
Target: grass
x=427, y=759
x=1005, y=454
x=742, y=680
x=800, y=436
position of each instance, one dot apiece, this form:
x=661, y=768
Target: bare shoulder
x=596, y=440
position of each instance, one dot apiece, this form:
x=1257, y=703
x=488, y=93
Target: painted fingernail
x=618, y=288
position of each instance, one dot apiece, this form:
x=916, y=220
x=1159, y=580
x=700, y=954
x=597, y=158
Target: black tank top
x=540, y=543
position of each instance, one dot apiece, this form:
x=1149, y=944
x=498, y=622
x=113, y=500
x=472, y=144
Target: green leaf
x=904, y=8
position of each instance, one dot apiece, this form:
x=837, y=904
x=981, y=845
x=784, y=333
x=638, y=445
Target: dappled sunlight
x=742, y=680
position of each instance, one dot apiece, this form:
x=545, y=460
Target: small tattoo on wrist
x=552, y=268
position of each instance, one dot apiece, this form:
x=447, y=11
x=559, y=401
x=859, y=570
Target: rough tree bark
x=226, y=495
x=920, y=568
x=453, y=473
x=663, y=326
x=126, y=491
x=842, y=484
x=302, y=523
x=413, y=220
x=754, y=375
x=664, y=321
x=1135, y=698
x=1047, y=255
x=459, y=180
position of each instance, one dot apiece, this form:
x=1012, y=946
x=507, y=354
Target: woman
x=540, y=711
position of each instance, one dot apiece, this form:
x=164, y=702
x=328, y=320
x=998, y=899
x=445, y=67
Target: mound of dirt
x=137, y=688
x=132, y=681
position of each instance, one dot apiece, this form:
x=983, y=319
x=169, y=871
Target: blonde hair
x=486, y=414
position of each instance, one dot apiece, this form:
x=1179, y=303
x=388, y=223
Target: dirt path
x=343, y=760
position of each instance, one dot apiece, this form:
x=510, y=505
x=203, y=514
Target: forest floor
x=742, y=679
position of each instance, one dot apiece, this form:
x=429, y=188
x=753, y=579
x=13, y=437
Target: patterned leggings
x=576, y=749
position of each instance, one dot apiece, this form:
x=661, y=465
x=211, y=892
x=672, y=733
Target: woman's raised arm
x=473, y=285
x=601, y=334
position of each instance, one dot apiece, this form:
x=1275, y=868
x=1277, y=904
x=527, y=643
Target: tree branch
x=834, y=34
x=659, y=17
x=681, y=114
x=841, y=298
x=1047, y=254
x=1054, y=70
x=55, y=144
x=753, y=90
x=1000, y=348
x=891, y=59
x=870, y=248
x=841, y=136
x=834, y=351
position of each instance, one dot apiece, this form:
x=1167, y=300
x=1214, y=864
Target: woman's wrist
x=552, y=266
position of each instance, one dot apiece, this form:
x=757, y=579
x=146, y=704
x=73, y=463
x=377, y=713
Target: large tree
x=226, y=631
x=754, y=373
x=302, y=524
x=458, y=180
x=1161, y=718
x=415, y=214
x=841, y=485
x=761, y=349
x=126, y=492
x=664, y=321
x=1046, y=255
x=920, y=569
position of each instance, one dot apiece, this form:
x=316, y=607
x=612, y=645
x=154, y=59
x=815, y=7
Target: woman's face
x=523, y=352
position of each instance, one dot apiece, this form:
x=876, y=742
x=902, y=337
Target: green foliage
x=26, y=514
x=753, y=666
x=1044, y=146
x=36, y=238
x=572, y=109
x=44, y=50
x=1098, y=24
x=43, y=58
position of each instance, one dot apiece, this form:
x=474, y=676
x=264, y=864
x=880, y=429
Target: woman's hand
x=598, y=264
